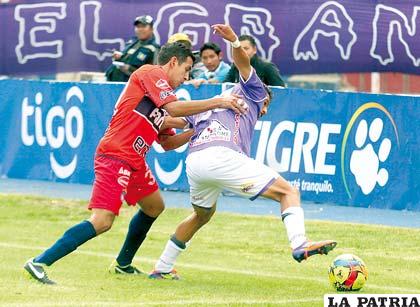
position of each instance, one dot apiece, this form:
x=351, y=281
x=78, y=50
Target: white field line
x=179, y=302
x=216, y=268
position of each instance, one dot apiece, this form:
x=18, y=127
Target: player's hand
x=197, y=82
x=225, y=31
x=213, y=81
x=232, y=102
x=116, y=55
x=125, y=68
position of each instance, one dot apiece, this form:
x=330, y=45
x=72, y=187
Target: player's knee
x=204, y=215
x=102, y=226
x=203, y=219
x=102, y=221
x=277, y=193
x=155, y=210
x=152, y=205
x=159, y=209
x=295, y=192
x=106, y=225
x=285, y=193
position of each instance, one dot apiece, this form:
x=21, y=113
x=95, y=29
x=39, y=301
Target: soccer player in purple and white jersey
x=218, y=159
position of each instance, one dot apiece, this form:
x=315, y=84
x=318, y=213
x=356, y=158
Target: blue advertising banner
x=42, y=37
x=344, y=148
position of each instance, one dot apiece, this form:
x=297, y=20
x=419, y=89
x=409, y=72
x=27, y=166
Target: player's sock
x=173, y=248
x=137, y=230
x=294, y=222
x=71, y=239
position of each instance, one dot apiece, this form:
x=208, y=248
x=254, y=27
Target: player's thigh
x=204, y=190
x=141, y=185
x=245, y=176
x=111, y=179
x=204, y=195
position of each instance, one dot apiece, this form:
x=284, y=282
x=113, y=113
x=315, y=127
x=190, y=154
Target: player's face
x=179, y=73
x=210, y=59
x=249, y=49
x=143, y=32
x=264, y=109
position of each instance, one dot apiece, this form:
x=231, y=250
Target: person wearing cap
x=181, y=38
x=140, y=50
x=198, y=67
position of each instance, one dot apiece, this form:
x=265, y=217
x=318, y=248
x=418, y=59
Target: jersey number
x=140, y=146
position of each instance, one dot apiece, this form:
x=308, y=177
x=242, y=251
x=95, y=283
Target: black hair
x=210, y=46
x=248, y=38
x=176, y=49
x=186, y=43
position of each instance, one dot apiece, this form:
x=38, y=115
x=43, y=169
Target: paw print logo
x=365, y=162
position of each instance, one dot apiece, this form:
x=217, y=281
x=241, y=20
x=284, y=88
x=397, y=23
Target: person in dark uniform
x=139, y=51
x=266, y=71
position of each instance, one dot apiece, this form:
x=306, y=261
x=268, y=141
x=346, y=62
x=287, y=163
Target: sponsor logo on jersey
x=154, y=115
x=247, y=187
x=124, y=171
x=162, y=84
x=165, y=94
x=216, y=131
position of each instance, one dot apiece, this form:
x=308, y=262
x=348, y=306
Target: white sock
x=167, y=260
x=294, y=222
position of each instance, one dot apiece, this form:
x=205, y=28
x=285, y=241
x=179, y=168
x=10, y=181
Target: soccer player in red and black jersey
x=141, y=114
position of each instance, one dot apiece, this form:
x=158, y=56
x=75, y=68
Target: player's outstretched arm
x=170, y=142
x=240, y=58
x=173, y=122
x=185, y=108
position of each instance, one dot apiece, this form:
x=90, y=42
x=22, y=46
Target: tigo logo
x=55, y=128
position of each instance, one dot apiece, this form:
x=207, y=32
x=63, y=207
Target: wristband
x=236, y=43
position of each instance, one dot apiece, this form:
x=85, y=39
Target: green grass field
x=235, y=260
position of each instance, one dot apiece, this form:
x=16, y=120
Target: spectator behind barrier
x=267, y=71
x=216, y=69
x=140, y=50
x=198, y=67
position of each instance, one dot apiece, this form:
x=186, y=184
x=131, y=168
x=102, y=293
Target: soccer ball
x=347, y=273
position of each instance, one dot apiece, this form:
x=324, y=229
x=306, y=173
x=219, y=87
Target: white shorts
x=218, y=168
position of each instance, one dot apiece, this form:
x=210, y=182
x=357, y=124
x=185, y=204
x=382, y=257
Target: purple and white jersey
x=221, y=127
